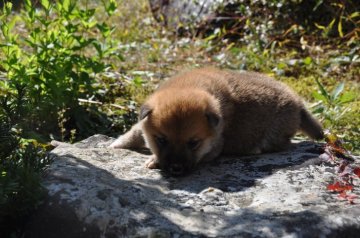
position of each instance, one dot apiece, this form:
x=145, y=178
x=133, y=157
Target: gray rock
x=94, y=191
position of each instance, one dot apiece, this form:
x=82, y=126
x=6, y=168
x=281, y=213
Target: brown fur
x=217, y=112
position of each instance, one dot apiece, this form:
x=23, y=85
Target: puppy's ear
x=145, y=111
x=212, y=118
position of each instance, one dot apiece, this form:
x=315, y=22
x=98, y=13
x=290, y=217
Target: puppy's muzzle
x=176, y=169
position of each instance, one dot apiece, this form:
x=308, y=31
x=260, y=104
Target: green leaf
x=319, y=96
x=341, y=34
x=120, y=57
x=211, y=37
x=323, y=90
x=89, y=24
x=5, y=30
x=307, y=60
x=318, y=3
x=90, y=12
x=97, y=67
x=30, y=10
x=12, y=23
x=66, y=4
x=347, y=97
x=7, y=8
x=337, y=90
x=138, y=81
x=28, y=4
x=45, y=4
x=281, y=65
x=331, y=24
x=98, y=48
x=111, y=8
x=104, y=29
x=319, y=109
x=320, y=26
x=355, y=14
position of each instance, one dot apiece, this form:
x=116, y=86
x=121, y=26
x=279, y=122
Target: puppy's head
x=180, y=127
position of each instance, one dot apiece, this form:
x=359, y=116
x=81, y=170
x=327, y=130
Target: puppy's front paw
x=152, y=163
x=118, y=143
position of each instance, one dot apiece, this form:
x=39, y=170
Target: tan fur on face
x=249, y=113
x=180, y=115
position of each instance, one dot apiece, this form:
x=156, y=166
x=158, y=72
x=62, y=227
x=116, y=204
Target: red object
x=343, y=194
x=349, y=197
x=338, y=187
x=357, y=171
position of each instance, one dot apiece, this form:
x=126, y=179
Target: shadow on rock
x=99, y=192
x=234, y=174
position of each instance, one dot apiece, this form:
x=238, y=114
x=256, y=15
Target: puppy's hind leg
x=132, y=139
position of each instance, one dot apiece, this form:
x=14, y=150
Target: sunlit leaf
x=307, y=60
x=339, y=5
x=355, y=14
x=335, y=144
x=45, y=4
x=341, y=34
x=319, y=96
x=331, y=24
x=66, y=4
x=138, y=81
x=110, y=9
x=337, y=90
x=28, y=4
x=320, y=26
x=8, y=7
x=323, y=90
x=281, y=65
x=347, y=97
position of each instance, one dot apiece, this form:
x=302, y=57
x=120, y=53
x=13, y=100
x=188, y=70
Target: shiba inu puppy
x=200, y=114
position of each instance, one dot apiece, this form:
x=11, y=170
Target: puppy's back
x=209, y=79
x=260, y=114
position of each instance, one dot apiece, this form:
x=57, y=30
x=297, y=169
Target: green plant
x=21, y=165
x=57, y=59
x=343, y=16
x=332, y=105
x=278, y=23
x=333, y=108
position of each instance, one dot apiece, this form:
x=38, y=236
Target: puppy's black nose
x=176, y=169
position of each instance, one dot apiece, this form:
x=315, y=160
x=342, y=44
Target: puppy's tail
x=310, y=126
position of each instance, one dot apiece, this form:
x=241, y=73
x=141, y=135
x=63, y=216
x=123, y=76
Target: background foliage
x=51, y=60
x=21, y=163
x=70, y=69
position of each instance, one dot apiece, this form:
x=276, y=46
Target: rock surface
x=94, y=191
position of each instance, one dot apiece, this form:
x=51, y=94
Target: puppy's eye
x=193, y=144
x=161, y=140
